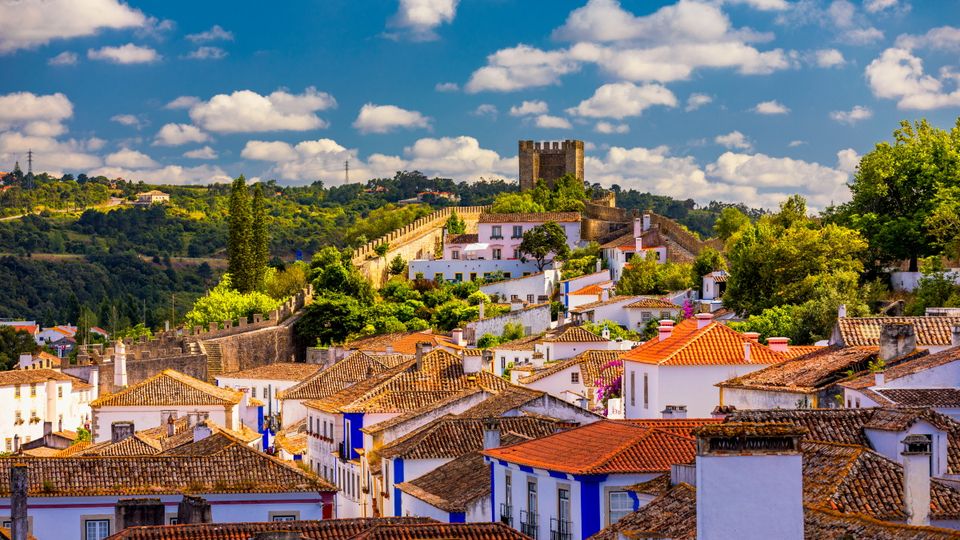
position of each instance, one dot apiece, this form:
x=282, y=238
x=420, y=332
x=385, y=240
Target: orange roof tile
x=652, y=303
x=595, y=289
x=715, y=344
x=529, y=217
x=170, y=387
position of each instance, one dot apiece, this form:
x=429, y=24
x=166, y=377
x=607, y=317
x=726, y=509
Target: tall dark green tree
x=260, y=248
x=455, y=225
x=240, y=238
x=542, y=241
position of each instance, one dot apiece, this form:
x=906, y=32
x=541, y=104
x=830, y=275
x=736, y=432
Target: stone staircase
x=214, y=360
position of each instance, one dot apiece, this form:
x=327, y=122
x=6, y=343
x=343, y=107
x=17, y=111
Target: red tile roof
x=595, y=289
x=328, y=529
x=866, y=330
x=170, y=387
x=652, y=303
x=714, y=344
x=529, y=217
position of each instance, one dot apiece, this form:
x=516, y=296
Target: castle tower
x=549, y=161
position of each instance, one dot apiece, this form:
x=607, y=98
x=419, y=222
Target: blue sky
x=736, y=100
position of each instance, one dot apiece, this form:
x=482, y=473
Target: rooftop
x=281, y=371
x=354, y=368
x=714, y=344
x=575, y=334
x=866, y=330
x=593, y=290
x=919, y=397
x=401, y=342
x=593, y=365
x=33, y=376
x=907, y=366
x=809, y=373
x=529, y=217
x=470, y=238
x=583, y=308
x=651, y=303
x=170, y=387
x=408, y=528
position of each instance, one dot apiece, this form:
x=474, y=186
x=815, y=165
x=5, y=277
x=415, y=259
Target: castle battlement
x=549, y=160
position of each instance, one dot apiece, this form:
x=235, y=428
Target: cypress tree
x=240, y=237
x=261, y=237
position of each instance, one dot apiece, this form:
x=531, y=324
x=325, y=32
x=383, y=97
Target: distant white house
x=152, y=197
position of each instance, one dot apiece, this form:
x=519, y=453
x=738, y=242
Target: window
x=438, y=276
x=253, y=392
x=508, y=489
x=9, y=445
x=575, y=377
x=96, y=529
x=518, y=231
x=646, y=388
x=619, y=505
x=310, y=429
x=530, y=298
x=497, y=254
x=563, y=506
x=516, y=254
x=455, y=254
x=857, y=402
x=33, y=389
x=473, y=276
x=507, y=275
x=645, y=315
x=284, y=516
x=173, y=521
x=16, y=391
x=17, y=417
x=666, y=315
x=503, y=363
x=633, y=389
x=458, y=277
x=532, y=496
x=59, y=391
x=497, y=232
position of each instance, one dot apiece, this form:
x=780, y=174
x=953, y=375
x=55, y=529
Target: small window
x=438, y=276
x=575, y=377
x=33, y=389
x=518, y=231
x=173, y=521
x=507, y=275
x=96, y=529
x=458, y=277
x=633, y=389
x=9, y=445
x=857, y=402
x=497, y=232
x=619, y=505
x=253, y=392
x=503, y=366
x=646, y=395
x=645, y=315
x=497, y=253
x=16, y=391
x=516, y=254
x=283, y=517
x=455, y=254
x=59, y=391
x=530, y=298
x=266, y=392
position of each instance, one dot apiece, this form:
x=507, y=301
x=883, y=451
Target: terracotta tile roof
x=593, y=290
x=908, y=365
x=169, y=387
x=442, y=531
x=235, y=469
x=155, y=440
x=462, y=238
x=525, y=343
x=42, y=451
x=452, y=436
x=352, y=392
x=281, y=371
x=796, y=351
x=529, y=217
x=327, y=529
x=432, y=409
x=582, y=308
x=627, y=239
x=680, y=426
x=657, y=486
x=452, y=487
x=602, y=447
x=293, y=439
x=651, y=303
x=33, y=376
x=501, y=403
x=920, y=397
x=714, y=344
x=821, y=522
x=354, y=368
x=74, y=448
x=807, y=374
x=866, y=330
x=672, y=515
x=576, y=334
x=593, y=366
x=401, y=342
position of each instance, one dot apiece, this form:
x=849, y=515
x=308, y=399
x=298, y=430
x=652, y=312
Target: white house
x=266, y=382
x=533, y=288
x=514, y=353
x=645, y=309
x=678, y=370
x=568, y=286
x=714, y=284
x=609, y=308
x=576, y=379
x=33, y=397
x=619, y=252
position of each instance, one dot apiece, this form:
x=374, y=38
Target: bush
x=227, y=304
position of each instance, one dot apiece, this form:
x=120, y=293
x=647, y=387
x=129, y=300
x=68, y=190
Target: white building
x=576, y=379
x=266, y=382
x=534, y=288
x=568, y=286
x=32, y=397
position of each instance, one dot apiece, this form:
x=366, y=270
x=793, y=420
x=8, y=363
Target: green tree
x=282, y=284
x=455, y=224
x=708, y=260
x=510, y=203
x=240, y=238
x=332, y=270
x=398, y=266
x=778, y=321
x=382, y=249
x=225, y=303
x=542, y=241
x=935, y=289
x=581, y=261
x=730, y=221
x=13, y=343
x=330, y=319
x=640, y=277
x=260, y=235
x=944, y=222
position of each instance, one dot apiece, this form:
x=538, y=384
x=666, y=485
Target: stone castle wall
x=549, y=161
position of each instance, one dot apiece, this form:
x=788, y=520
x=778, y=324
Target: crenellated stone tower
x=549, y=160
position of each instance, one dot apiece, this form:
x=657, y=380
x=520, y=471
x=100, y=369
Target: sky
x=732, y=100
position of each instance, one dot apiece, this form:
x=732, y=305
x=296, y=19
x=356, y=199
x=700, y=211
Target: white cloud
x=850, y=25
x=847, y=160
x=874, y=6
x=546, y=121
x=770, y=107
x=486, y=109
x=447, y=87
x=177, y=134
x=126, y=120
x=458, y=157
x=695, y=101
x=66, y=58
x=828, y=58
x=269, y=151
x=130, y=159
x=734, y=140
x=898, y=74
x=183, y=102
x=207, y=53
x=792, y=175
x=124, y=54
x=171, y=174
x=529, y=107
x=945, y=38
x=420, y=18
x=248, y=111
x=50, y=155
x=620, y=100
x=29, y=23
x=215, y=33
x=201, y=153
x=386, y=118
x=796, y=143
x=19, y=108
x=607, y=128
x=520, y=67
x=763, y=5
x=852, y=116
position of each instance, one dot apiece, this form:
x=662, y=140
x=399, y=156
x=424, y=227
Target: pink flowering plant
x=687, y=309
x=609, y=385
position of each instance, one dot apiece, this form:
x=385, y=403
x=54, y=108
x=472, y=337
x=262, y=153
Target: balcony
x=560, y=529
x=528, y=524
x=506, y=514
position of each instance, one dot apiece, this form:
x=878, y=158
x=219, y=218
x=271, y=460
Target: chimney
x=457, y=336
x=487, y=359
x=120, y=431
x=419, y=355
x=665, y=329
x=480, y=308
x=171, y=426
x=388, y=349
x=778, y=344
x=201, y=431
x=896, y=340
x=599, y=266
x=879, y=379
x=637, y=227
x=605, y=333
x=703, y=319
x=756, y=469
x=193, y=509
x=47, y=428
x=752, y=336
x=746, y=350
x=916, y=478
x=472, y=363
x=674, y=412
x=604, y=295
x=491, y=433
x=647, y=218
x=119, y=364
x=138, y=513
x=955, y=336
x=94, y=381
x=537, y=360
x=842, y=311
x=18, y=501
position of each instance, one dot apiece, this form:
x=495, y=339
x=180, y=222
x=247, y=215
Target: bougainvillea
x=687, y=309
x=609, y=385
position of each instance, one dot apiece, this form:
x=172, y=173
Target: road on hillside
x=114, y=201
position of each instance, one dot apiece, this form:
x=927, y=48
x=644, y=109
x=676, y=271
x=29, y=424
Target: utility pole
x=30, y=161
x=346, y=172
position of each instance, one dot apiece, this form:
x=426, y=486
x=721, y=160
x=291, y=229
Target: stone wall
x=257, y=348
x=534, y=319
x=598, y=230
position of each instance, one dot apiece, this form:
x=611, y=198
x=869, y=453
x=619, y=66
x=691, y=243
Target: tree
x=456, y=224
x=332, y=270
x=581, y=261
x=330, y=319
x=240, y=238
x=225, y=303
x=397, y=266
x=730, y=221
x=708, y=260
x=13, y=343
x=515, y=203
x=382, y=249
x=542, y=241
x=260, y=247
x=640, y=277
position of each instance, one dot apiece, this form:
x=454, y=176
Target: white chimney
x=201, y=431
x=94, y=381
x=457, y=337
x=703, y=319
x=752, y=336
x=646, y=222
x=916, y=478
x=605, y=333
x=955, y=336
x=388, y=349
x=171, y=426
x=665, y=329
x=842, y=310
x=755, y=469
x=637, y=227
x=120, y=364
x=472, y=363
x=491, y=433
x=778, y=344
x=879, y=379
x=674, y=412
x=537, y=360
x=604, y=295
x=599, y=265
x=746, y=350
x=638, y=244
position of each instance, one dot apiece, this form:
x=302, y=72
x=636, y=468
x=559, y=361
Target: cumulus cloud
x=620, y=100
x=248, y=111
x=945, y=38
x=201, y=153
x=171, y=174
x=124, y=54
x=447, y=87
x=130, y=159
x=126, y=120
x=848, y=160
x=898, y=74
x=695, y=101
x=850, y=26
x=207, y=53
x=183, y=102
x=874, y=6
x=215, y=33
x=20, y=108
x=520, y=67
x=734, y=140
x=419, y=19
x=547, y=121
x=386, y=118
x=30, y=23
x=608, y=128
x=529, y=107
x=762, y=5
x=33, y=122
x=796, y=143
x=66, y=58
x=852, y=116
x=828, y=58
x=770, y=107
x=486, y=109
x=177, y=134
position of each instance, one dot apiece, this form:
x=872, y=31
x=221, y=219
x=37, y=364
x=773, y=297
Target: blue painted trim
x=560, y=475
x=634, y=499
x=493, y=495
x=261, y=429
x=397, y=478
x=504, y=463
x=297, y=457
x=590, y=505
x=458, y=517
x=356, y=436
x=525, y=468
